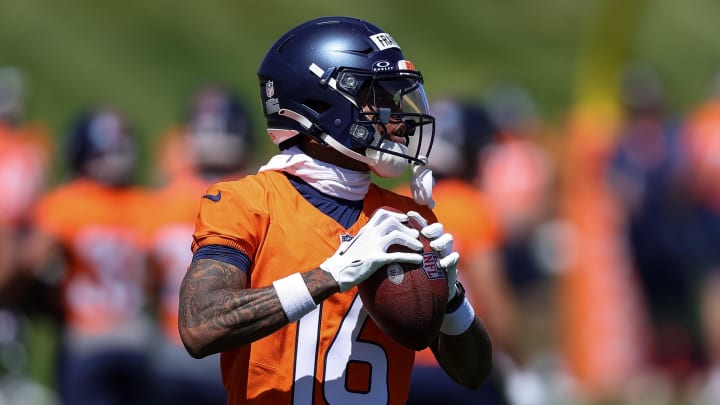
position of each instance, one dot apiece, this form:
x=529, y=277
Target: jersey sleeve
x=232, y=214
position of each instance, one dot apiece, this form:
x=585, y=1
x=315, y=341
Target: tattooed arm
x=218, y=312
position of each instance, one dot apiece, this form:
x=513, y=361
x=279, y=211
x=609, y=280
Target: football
x=407, y=301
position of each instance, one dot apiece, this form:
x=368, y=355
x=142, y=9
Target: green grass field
x=146, y=56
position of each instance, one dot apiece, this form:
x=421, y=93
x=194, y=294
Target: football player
x=93, y=228
x=278, y=255
x=25, y=157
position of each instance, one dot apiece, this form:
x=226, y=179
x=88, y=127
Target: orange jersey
x=464, y=213
x=102, y=232
x=467, y=215
x=336, y=353
x=174, y=154
x=24, y=161
x=703, y=146
x=516, y=178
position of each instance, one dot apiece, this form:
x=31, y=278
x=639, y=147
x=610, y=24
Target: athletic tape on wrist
x=458, y=321
x=294, y=296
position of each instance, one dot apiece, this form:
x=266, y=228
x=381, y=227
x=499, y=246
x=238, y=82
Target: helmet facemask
x=391, y=110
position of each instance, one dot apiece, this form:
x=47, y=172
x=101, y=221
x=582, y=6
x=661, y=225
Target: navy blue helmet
x=102, y=146
x=464, y=130
x=220, y=129
x=341, y=81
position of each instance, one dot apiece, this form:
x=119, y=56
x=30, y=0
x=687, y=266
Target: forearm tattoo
x=320, y=284
x=213, y=299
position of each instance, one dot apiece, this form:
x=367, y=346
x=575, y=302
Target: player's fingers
x=407, y=237
x=385, y=222
x=419, y=218
x=433, y=231
x=392, y=224
x=382, y=215
x=449, y=261
x=443, y=244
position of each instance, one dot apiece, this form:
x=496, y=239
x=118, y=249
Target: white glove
x=442, y=243
x=421, y=184
x=356, y=260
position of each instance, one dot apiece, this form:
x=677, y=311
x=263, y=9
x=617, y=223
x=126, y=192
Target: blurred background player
x=92, y=226
x=25, y=152
x=701, y=147
x=25, y=158
x=226, y=147
x=215, y=142
x=648, y=170
x=517, y=175
x=463, y=131
x=600, y=316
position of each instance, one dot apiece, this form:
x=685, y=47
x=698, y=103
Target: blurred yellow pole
x=603, y=52
x=599, y=310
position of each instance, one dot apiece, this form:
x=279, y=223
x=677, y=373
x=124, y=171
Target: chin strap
x=421, y=184
x=324, y=137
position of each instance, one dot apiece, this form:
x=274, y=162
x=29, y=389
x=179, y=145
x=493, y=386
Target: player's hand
x=356, y=260
x=442, y=243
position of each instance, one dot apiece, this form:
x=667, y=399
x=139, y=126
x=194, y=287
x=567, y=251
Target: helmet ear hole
x=317, y=106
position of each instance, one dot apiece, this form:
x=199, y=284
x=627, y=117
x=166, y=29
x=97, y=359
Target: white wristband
x=294, y=296
x=458, y=321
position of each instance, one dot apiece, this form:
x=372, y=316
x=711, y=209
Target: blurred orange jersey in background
x=103, y=232
x=25, y=154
